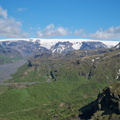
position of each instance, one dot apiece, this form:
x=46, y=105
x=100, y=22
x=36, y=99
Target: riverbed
x=6, y=70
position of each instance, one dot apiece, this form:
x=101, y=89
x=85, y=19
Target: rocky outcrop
x=109, y=99
x=106, y=107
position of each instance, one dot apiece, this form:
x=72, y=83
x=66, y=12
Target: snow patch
x=97, y=58
x=93, y=60
x=117, y=77
x=117, y=46
x=118, y=72
x=110, y=44
x=76, y=45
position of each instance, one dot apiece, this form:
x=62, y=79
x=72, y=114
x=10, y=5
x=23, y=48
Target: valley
x=59, y=60
x=58, y=86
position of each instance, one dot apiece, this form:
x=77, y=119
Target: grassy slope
x=56, y=99
x=4, y=59
x=104, y=69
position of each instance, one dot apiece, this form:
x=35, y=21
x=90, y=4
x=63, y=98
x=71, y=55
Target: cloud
x=3, y=13
x=9, y=27
x=21, y=9
x=51, y=31
x=80, y=32
x=110, y=33
x=50, y=26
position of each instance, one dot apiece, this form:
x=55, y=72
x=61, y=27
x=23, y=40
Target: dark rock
x=92, y=45
x=107, y=105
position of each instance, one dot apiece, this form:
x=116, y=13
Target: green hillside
x=65, y=84
x=7, y=59
x=45, y=68
x=43, y=101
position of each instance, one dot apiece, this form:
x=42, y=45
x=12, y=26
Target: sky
x=63, y=19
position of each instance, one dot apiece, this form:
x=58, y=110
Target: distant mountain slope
x=24, y=47
x=8, y=55
x=15, y=50
x=30, y=46
x=98, y=65
x=27, y=48
x=92, y=45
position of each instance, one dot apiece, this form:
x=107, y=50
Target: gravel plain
x=7, y=69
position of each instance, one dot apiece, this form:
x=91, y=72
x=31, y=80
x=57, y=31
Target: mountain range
x=87, y=63
x=28, y=46
x=61, y=81
x=65, y=86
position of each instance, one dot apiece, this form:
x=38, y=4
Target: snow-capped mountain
x=23, y=47
x=118, y=46
x=28, y=46
x=92, y=45
x=62, y=47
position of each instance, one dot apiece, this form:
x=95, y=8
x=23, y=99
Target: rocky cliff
x=106, y=106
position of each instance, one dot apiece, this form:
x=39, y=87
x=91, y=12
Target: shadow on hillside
x=88, y=110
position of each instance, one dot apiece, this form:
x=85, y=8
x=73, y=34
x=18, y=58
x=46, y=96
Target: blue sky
x=94, y=19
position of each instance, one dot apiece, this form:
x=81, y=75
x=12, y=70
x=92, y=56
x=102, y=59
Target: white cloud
x=51, y=31
x=50, y=26
x=21, y=9
x=80, y=32
x=111, y=33
x=3, y=13
x=9, y=27
x=40, y=34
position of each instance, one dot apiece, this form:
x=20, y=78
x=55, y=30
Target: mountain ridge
x=109, y=43
x=26, y=46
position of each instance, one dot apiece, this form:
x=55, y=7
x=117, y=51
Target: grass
x=4, y=59
x=73, y=69
x=3, y=88
x=47, y=100
x=65, y=85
